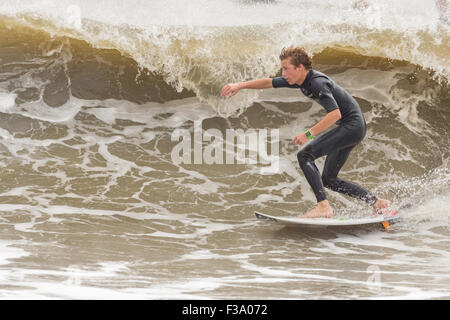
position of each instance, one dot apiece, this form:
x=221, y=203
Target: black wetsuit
x=336, y=143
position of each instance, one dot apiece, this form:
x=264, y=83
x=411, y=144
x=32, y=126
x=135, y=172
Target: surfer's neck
x=303, y=76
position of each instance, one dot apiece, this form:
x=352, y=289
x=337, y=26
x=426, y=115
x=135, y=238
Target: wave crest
x=203, y=59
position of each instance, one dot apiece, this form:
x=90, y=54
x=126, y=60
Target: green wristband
x=309, y=135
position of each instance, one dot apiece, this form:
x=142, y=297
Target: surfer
x=336, y=143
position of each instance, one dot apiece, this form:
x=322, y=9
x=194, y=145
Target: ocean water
x=94, y=205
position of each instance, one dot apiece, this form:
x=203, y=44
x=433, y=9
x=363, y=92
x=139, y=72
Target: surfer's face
x=291, y=73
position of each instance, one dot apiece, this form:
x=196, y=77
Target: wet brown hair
x=298, y=56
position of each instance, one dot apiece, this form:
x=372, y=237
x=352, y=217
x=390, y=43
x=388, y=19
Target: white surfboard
x=336, y=222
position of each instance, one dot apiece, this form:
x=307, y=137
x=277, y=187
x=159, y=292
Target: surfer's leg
x=333, y=164
x=325, y=144
x=306, y=160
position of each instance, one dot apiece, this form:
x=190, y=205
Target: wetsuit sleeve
x=322, y=90
x=280, y=82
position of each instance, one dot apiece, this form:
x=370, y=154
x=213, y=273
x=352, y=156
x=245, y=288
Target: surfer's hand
x=300, y=139
x=230, y=90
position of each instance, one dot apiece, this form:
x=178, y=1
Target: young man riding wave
x=336, y=143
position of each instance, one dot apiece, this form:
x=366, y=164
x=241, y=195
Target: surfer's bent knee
x=304, y=156
x=328, y=182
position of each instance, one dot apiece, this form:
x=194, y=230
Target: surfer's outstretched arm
x=231, y=89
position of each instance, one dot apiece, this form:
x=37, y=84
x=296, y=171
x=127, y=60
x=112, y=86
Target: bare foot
x=381, y=206
x=323, y=210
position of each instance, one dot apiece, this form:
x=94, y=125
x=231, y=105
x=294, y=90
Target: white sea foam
x=9, y=251
x=7, y=101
